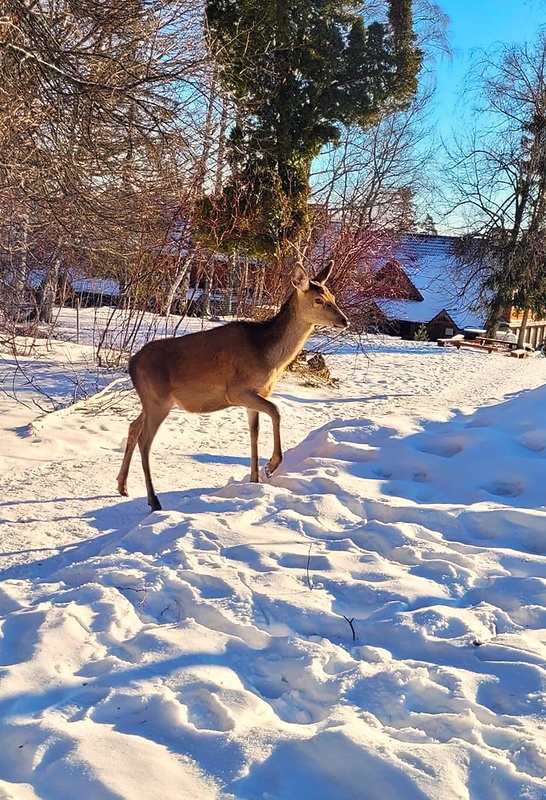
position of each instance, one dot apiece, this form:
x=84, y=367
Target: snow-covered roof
x=35, y=278
x=98, y=286
x=32, y=279
x=179, y=242
x=430, y=263
x=410, y=310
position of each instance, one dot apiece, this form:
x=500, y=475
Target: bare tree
x=371, y=178
x=95, y=154
x=498, y=181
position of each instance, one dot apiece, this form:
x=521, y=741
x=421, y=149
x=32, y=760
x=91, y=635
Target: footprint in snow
x=304, y=561
x=534, y=441
x=440, y=446
x=19, y=636
x=506, y=488
x=205, y=711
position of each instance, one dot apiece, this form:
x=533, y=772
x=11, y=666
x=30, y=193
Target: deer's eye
x=319, y=301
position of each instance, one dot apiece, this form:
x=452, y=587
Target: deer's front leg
x=254, y=427
x=255, y=403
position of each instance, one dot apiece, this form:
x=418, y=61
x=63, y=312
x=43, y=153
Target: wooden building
x=415, y=290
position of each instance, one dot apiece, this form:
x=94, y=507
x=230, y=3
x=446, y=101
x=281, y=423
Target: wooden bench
x=481, y=343
x=487, y=345
x=497, y=344
x=454, y=341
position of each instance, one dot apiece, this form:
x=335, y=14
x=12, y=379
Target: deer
x=235, y=364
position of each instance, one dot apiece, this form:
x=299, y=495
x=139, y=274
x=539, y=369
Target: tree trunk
x=182, y=271
x=49, y=290
x=208, y=137
x=205, y=298
x=17, y=306
x=523, y=329
x=221, y=153
x=259, y=281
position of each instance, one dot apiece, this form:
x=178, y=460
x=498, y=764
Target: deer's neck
x=286, y=334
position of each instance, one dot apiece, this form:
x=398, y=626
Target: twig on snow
x=309, y=581
x=350, y=621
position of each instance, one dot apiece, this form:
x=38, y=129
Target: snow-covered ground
x=370, y=623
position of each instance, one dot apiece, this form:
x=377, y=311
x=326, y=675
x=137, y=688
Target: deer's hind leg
x=135, y=429
x=152, y=420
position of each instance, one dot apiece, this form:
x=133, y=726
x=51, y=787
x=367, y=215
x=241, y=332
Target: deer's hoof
x=270, y=468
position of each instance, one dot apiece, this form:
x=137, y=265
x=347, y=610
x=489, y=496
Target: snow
x=369, y=623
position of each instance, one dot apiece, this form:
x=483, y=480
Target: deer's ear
x=324, y=274
x=300, y=279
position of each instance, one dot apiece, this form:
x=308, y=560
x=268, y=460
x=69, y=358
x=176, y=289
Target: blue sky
x=480, y=24
x=475, y=26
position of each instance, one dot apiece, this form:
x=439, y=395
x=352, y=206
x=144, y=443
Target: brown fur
x=237, y=364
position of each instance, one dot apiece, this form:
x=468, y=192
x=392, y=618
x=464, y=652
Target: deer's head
x=316, y=303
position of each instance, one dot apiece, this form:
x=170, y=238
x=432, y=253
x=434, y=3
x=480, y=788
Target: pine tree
x=295, y=73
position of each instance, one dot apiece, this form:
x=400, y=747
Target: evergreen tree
x=295, y=73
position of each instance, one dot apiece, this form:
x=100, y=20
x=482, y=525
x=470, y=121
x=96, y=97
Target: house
x=88, y=292
x=416, y=287
x=442, y=298
x=535, y=327
x=400, y=284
